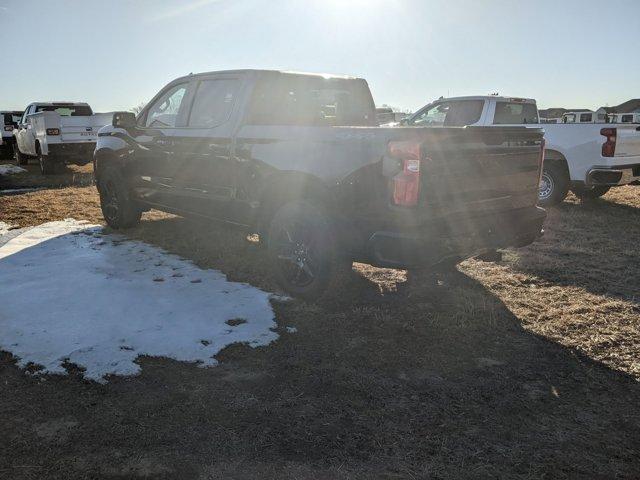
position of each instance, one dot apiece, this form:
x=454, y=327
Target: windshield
x=451, y=114
x=66, y=110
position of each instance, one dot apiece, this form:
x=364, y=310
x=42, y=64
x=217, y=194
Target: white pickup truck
x=588, y=158
x=57, y=133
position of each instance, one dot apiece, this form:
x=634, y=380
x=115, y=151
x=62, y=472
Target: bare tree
x=138, y=108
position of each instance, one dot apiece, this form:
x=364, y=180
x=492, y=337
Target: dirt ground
x=523, y=369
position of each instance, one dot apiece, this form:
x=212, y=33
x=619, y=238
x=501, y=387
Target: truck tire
x=589, y=193
x=118, y=208
x=554, y=184
x=302, y=250
x=19, y=157
x=47, y=165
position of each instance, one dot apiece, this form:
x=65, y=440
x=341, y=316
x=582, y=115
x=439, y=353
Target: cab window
x=515, y=113
x=213, y=102
x=164, y=111
x=585, y=117
x=28, y=111
x=449, y=114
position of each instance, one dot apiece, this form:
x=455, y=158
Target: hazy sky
x=115, y=54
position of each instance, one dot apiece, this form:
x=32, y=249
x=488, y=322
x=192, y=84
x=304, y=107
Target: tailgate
x=628, y=141
x=481, y=169
x=78, y=129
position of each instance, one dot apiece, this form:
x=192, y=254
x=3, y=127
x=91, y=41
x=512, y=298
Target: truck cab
x=584, y=117
x=624, y=117
x=475, y=111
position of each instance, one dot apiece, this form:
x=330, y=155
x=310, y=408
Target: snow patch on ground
x=4, y=228
x=71, y=294
x=8, y=169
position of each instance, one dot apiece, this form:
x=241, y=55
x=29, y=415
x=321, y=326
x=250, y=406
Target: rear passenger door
x=203, y=148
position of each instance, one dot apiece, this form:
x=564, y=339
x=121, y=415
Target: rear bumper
x=77, y=153
x=455, y=239
x=612, y=176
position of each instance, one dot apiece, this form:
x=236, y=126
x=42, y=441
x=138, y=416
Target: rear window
x=511, y=113
x=66, y=110
x=12, y=118
x=627, y=119
x=449, y=114
x=586, y=117
x=290, y=99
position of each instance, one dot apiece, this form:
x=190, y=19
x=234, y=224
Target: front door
x=203, y=149
x=25, y=137
x=155, y=168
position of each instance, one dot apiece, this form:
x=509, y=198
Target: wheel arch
x=557, y=157
x=286, y=187
x=101, y=159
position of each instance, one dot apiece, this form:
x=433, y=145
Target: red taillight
x=53, y=131
x=406, y=184
x=609, y=146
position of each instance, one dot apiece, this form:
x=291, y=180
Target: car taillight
x=609, y=146
x=406, y=184
x=53, y=131
x=8, y=128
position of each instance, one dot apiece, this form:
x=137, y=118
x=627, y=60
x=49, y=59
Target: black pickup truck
x=300, y=160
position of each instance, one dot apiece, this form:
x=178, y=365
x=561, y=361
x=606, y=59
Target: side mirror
x=124, y=120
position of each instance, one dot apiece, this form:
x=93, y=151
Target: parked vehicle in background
x=299, y=159
x=585, y=117
x=385, y=115
x=624, y=117
x=57, y=133
x=10, y=120
x=588, y=158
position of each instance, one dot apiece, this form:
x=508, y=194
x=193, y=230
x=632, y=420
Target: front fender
x=113, y=146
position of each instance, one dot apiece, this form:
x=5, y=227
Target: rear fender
x=285, y=187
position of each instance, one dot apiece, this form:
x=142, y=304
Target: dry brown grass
x=525, y=369
x=580, y=284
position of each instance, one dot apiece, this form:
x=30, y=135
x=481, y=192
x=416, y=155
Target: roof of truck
x=489, y=97
x=251, y=70
x=75, y=104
